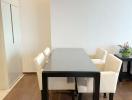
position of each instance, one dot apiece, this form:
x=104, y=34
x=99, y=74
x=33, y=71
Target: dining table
x=70, y=62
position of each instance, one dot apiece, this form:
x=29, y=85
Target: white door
x=15, y=2
x=11, y=38
x=7, y=1
x=17, y=40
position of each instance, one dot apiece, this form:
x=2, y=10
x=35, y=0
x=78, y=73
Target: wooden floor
x=27, y=89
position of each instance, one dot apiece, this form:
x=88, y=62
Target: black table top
x=70, y=60
x=123, y=58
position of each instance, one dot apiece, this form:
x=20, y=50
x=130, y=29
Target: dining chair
x=99, y=57
x=54, y=83
x=108, y=78
x=39, y=61
x=47, y=51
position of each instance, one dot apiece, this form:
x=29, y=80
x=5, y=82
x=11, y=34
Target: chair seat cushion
x=99, y=63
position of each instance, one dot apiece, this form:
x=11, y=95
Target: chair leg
x=111, y=95
x=80, y=96
x=105, y=95
x=73, y=97
x=42, y=95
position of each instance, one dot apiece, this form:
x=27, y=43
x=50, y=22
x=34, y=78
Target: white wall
x=35, y=20
x=90, y=23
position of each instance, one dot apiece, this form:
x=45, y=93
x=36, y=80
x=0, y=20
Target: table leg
x=44, y=92
x=96, y=87
x=76, y=88
x=120, y=74
x=128, y=68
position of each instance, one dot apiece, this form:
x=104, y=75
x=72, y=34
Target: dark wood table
x=125, y=75
x=70, y=62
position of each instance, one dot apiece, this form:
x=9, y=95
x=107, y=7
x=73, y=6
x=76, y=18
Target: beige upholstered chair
x=39, y=61
x=108, y=80
x=54, y=83
x=47, y=51
x=99, y=57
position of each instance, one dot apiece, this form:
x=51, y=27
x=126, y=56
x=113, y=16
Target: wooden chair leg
x=73, y=97
x=111, y=95
x=59, y=96
x=80, y=96
x=42, y=95
x=105, y=95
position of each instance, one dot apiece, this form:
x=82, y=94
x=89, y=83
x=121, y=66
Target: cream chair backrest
x=47, y=52
x=112, y=63
x=101, y=54
x=39, y=61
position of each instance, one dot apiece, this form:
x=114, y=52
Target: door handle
x=12, y=26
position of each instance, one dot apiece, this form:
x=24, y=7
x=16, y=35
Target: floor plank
x=27, y=89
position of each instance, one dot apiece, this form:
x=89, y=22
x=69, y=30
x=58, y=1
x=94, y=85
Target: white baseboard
x=4, y=93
